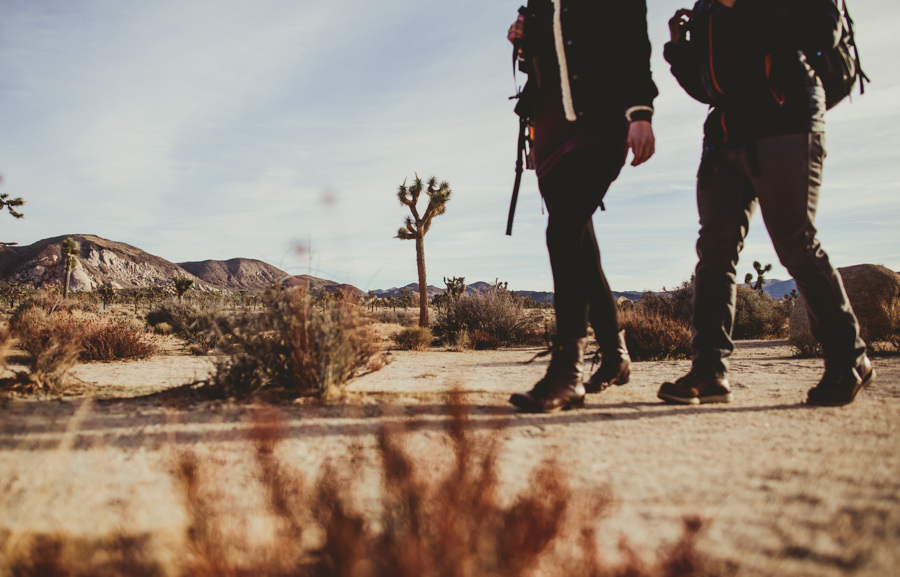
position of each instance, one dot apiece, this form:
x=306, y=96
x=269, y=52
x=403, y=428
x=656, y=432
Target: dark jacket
x=748, y=63
x=608, y=58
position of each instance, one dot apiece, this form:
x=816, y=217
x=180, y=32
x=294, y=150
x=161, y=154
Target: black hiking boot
x=561, y=388
x=615, y=367
x=694, y=390
x=840, y=385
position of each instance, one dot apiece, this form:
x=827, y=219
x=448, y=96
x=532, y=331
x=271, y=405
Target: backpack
x=838, y=68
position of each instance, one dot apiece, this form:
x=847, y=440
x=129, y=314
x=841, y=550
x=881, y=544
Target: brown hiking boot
x=615, y=368
x=694, y=390
x=839, y=386
x=561, y=388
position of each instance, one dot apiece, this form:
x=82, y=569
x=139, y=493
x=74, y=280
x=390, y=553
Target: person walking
x=763, y=147
x=590, y=95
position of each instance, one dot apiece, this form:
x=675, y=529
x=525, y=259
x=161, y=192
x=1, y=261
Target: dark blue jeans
x=572, y=191
x=781, y=175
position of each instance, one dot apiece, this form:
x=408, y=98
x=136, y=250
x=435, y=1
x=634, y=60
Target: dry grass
x=653, y=337
x=293, y=344
x=413, y=339
x=54, y=339
x=428, y=521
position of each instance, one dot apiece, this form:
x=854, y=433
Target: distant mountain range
x=122, y=266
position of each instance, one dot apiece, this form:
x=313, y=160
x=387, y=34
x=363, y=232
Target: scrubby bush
x=292, y=344
x=673, y=304
x=759, y=316
x=55, y=333
x=650, y=336
x=413, y=339
x=490, y=319
x=106, y=340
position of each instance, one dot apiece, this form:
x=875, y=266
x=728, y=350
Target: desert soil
x=783, y=488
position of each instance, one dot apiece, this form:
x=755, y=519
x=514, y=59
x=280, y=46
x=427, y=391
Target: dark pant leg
x=572, y=191
x=726, y=203
x=788, y=191
x=602, y=310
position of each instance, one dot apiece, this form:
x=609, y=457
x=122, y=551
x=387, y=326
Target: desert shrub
x=484, y=340
x=51, y=342
x=51, y=301
x=653, y=337
x=759, y=316
x=496, y=317
x=182, y=320
x=413, y=338
x=675, y=303
x=106, y=340
x=292, y=344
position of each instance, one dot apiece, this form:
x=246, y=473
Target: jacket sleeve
x=684, y=61
x=639, y=88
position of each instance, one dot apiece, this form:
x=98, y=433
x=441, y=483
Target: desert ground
x=782, y=488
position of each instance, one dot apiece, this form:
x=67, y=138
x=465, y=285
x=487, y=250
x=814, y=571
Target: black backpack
x=839, y=67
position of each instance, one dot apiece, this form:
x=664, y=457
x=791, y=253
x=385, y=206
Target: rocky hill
x=122, y=266
x=100, y=261
x=236, y=273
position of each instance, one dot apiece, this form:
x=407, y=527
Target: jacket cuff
x=640, y=112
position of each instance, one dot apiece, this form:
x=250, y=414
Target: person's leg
x=725, y=203
x=788, y=188
x=572, y=191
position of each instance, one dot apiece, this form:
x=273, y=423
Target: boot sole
x=527, y=404
x=825, y=403
x=676, y=400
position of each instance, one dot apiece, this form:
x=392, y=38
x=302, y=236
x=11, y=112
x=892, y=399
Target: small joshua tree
x=11, y=204
x=760, y=272
x=456, y=286
x=417, y=225
x=182, y=285
x=69, y=252
x=107, y=295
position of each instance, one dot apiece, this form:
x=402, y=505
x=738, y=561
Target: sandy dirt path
x=784, y=489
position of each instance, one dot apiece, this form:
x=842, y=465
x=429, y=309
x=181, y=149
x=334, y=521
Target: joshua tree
x=69, y=253
x=417, y=226
x=760, y=272
x=456, y=286
x=11, y=204
x=182, y=285
x=107, y=295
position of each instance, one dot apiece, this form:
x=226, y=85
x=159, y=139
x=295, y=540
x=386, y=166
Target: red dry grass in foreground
x=451, y=523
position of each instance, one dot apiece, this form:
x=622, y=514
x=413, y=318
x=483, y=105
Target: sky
x=279, y=130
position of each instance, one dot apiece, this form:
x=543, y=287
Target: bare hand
x=677, y=24
x=517, y=31
x=641, y=141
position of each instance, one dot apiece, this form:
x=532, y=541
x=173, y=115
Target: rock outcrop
x=874, y=293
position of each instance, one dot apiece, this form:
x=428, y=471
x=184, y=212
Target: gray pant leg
x=726, y=203
x=788, y=192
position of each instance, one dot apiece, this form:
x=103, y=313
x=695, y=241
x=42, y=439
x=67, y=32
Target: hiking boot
x=839, y=386
x=694, y=390
x=561, y=388
x=615, y=368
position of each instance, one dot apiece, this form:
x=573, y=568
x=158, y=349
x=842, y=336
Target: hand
x=678, y=23
x=727, y=3
x=641, y=141
x=517, y=31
